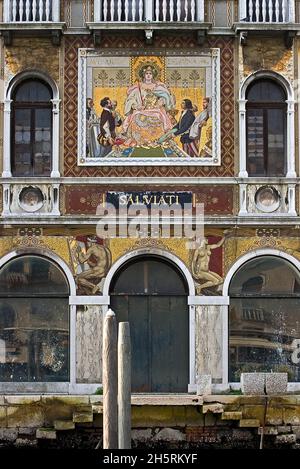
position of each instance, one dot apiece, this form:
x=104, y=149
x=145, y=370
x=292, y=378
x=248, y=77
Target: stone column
x=292, y=199
x=290, y=144
x=6, y=140
x=89, y=326
x=243, y=199
x=242, y=144
x=211, y=339
x=97, y=11
x=55, y=138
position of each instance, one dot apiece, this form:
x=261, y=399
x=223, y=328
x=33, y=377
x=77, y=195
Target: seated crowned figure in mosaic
x=146, y=110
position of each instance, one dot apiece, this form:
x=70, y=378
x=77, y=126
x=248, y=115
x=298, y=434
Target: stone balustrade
x=267, y=11
x=148, y=11
x=31, y=11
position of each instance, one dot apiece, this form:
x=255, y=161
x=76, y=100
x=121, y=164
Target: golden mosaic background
x=56, y=244
x=119, y=247
x=238, y=247
x=234, y=246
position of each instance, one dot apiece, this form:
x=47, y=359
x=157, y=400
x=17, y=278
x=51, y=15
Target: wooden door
x=159, y=325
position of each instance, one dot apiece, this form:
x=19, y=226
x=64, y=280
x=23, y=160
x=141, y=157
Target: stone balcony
x=149, y=16
x=260, y=17
x=267, y=11
x=31, y=17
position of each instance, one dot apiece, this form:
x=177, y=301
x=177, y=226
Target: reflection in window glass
x=264, y=319
x=34, y=321
x=33, y=91
x=32, y=275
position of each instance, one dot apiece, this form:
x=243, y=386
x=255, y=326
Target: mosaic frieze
x=56, y=244
x=90, y=257
x=206, y=265
x=236, y=247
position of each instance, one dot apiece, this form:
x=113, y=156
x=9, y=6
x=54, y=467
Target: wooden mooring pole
x=110, y=386
x=124, y=386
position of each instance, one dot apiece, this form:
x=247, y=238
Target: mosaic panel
x=72, y=44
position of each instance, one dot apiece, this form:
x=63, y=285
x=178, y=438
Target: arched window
x=264, y=318
x=266, y=129
x=31, y=131
x=34, y=321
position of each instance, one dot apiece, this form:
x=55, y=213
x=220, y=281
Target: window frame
x=71, y=386
x=21, y=296
x=7, y=124
x=242, y=260
x=290, y=121
x=32, y=106
x=264, y=106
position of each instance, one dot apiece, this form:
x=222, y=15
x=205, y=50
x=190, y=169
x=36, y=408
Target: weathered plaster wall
x=267, y=53
x=31, y=54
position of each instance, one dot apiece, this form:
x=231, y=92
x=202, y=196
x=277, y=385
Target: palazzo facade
x=166, y=103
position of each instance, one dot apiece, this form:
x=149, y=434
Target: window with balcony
x=32, y=129
x=266, y=111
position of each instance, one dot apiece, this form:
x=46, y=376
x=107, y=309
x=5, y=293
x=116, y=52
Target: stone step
x=267, y=431
x=249, y=423
x=83, y=416
x=231, y=416
x=64, y=424
x=46, y=434
x=97, y=409
x=285, y=439
x=214, y=408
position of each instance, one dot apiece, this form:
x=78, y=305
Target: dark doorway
x=152, y=295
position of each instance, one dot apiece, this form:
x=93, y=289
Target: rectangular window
x=266, y=141
x=32, y=141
